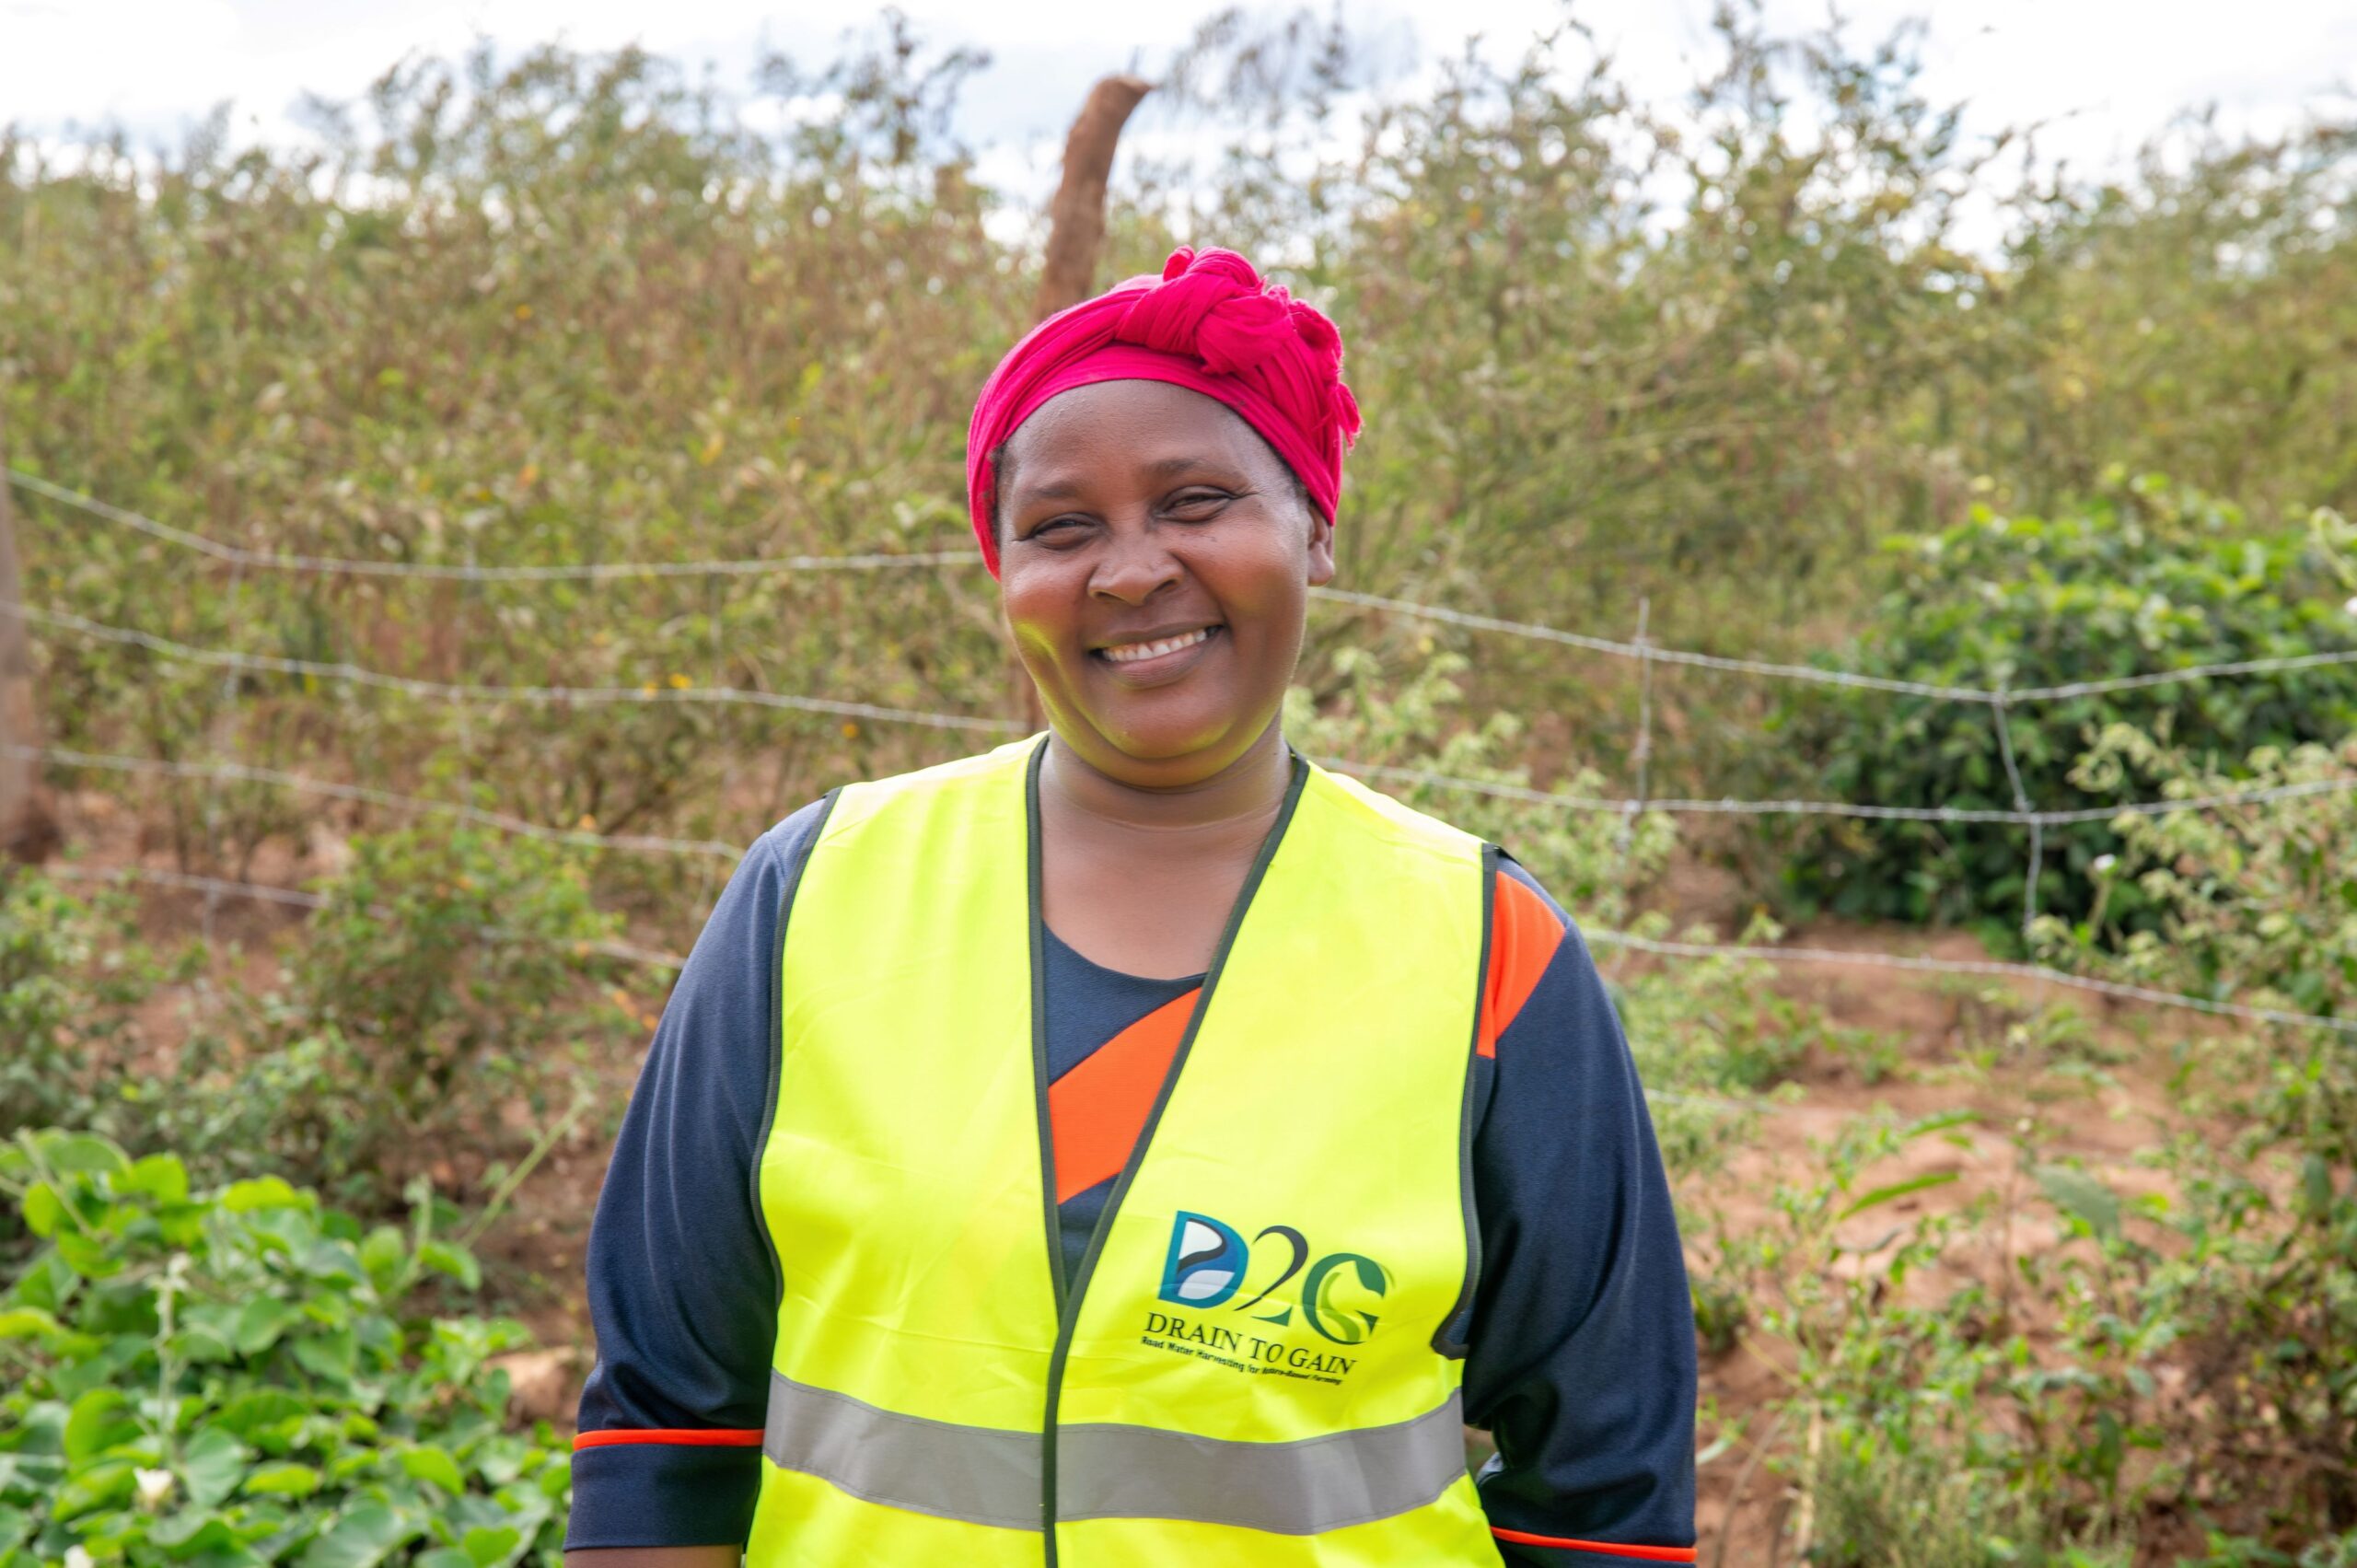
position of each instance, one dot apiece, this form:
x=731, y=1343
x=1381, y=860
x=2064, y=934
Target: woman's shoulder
x=787, y=842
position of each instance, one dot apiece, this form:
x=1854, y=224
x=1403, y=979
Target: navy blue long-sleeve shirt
x=1579, y=1357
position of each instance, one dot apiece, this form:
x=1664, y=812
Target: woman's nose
x=1134, y=568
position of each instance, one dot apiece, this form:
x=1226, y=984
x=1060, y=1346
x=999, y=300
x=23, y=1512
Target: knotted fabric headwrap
x=1208, y=324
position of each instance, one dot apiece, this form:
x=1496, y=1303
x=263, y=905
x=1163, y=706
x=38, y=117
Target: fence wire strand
x=453, y=692
x=222, y=886
x=506, y=822
x=224, y=658
x=1598, y=803
x=775, y=565
x=1990, y=967
x=607, y=572
x=1643, y=649
x=1810, y=674
x=721, y=851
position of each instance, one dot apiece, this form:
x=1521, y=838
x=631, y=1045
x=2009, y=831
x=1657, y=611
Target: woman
x=1137, y=1146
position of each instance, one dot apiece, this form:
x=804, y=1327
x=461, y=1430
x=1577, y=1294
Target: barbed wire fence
x=2000, y=700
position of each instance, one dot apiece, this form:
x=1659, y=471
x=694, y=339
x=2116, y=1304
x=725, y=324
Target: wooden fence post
x=1076, y=221
x=28, y=824
x=1075, y=235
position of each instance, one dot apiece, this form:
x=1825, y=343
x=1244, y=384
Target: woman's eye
x=1199, y=503
x=1056, y=530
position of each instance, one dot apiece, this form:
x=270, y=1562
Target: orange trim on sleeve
x=1097, y=1110
x=1523, y=934
x=1602, y=1548
x=684, y=1437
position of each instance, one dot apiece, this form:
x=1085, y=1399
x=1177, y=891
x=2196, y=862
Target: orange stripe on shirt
x=1523, y=934
x=1602, y=1548
x=693, y=1437
x=1099, y=1109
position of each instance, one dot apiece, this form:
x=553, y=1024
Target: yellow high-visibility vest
x=1251, y=1366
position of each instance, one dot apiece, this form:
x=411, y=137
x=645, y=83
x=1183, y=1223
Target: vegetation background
x=1982, y=1277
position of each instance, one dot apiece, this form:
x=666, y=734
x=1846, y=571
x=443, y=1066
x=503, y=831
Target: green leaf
x=1882, y=1195
x=162, y=1177
x=488, y=1544
x=286, y=1479
x=95, y=1424
x=212, y=1465
x=260, y=1323
x=88, y=1257
x=26, y=1323
x=191, y=1530
x=428, y=1463
x=445, y=1557
x=2105, y=1454
x=455, y=1261
x=499, y=1459
x=94, y=1488
x=207, y=1331
x=248, y=1412
x=331, y=1356
x=2316, y=1186
x=332, y=1263
x=263, y=1192
x=43, y=1209
x=381, y=1255
x=361, y=1539
x=83, y=1152
x=2081, y=1196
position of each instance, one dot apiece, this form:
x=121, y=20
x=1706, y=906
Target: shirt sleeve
x=1581, y=1358
x=682, y=1286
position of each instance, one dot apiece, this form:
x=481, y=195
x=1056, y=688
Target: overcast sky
x=2117, y=70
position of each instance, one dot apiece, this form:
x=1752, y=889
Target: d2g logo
x=1209, y=1262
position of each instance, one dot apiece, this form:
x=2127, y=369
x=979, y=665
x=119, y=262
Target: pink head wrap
x=1208, y=324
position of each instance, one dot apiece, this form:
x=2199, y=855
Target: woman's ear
x=1321, y=547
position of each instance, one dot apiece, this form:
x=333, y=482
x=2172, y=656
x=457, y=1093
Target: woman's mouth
x=1132, y=652
x=1156, y=654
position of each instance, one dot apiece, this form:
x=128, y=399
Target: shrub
x=2148, y=579
x=1592, y=862
x=2171, y=1362
x=442, y=989
x=443, y=995
x=2254, y=904
x=69, y=972
x=240, y=1377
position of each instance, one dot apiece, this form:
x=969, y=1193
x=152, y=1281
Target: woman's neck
x=1248, y=792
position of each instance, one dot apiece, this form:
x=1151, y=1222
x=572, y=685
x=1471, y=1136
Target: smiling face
x=1155, y=559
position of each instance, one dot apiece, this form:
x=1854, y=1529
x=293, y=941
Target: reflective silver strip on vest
x=986, y=1476
x=976, y=1473
x=1303, y=1488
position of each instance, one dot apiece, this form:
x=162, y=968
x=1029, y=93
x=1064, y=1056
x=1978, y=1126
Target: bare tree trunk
x=1075, y=235
x=1076, y=222
x=28, y=823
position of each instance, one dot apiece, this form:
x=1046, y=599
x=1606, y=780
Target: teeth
x=1132, y=652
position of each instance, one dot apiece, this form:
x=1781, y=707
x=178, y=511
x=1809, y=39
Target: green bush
x=1410, y=717
x=448, y=966
x=69, y=972
x=2254, y=903
x=441, y=997
x=2151, y=578
x=2257, y=905
x=441, y=1004
x=242, y=1376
